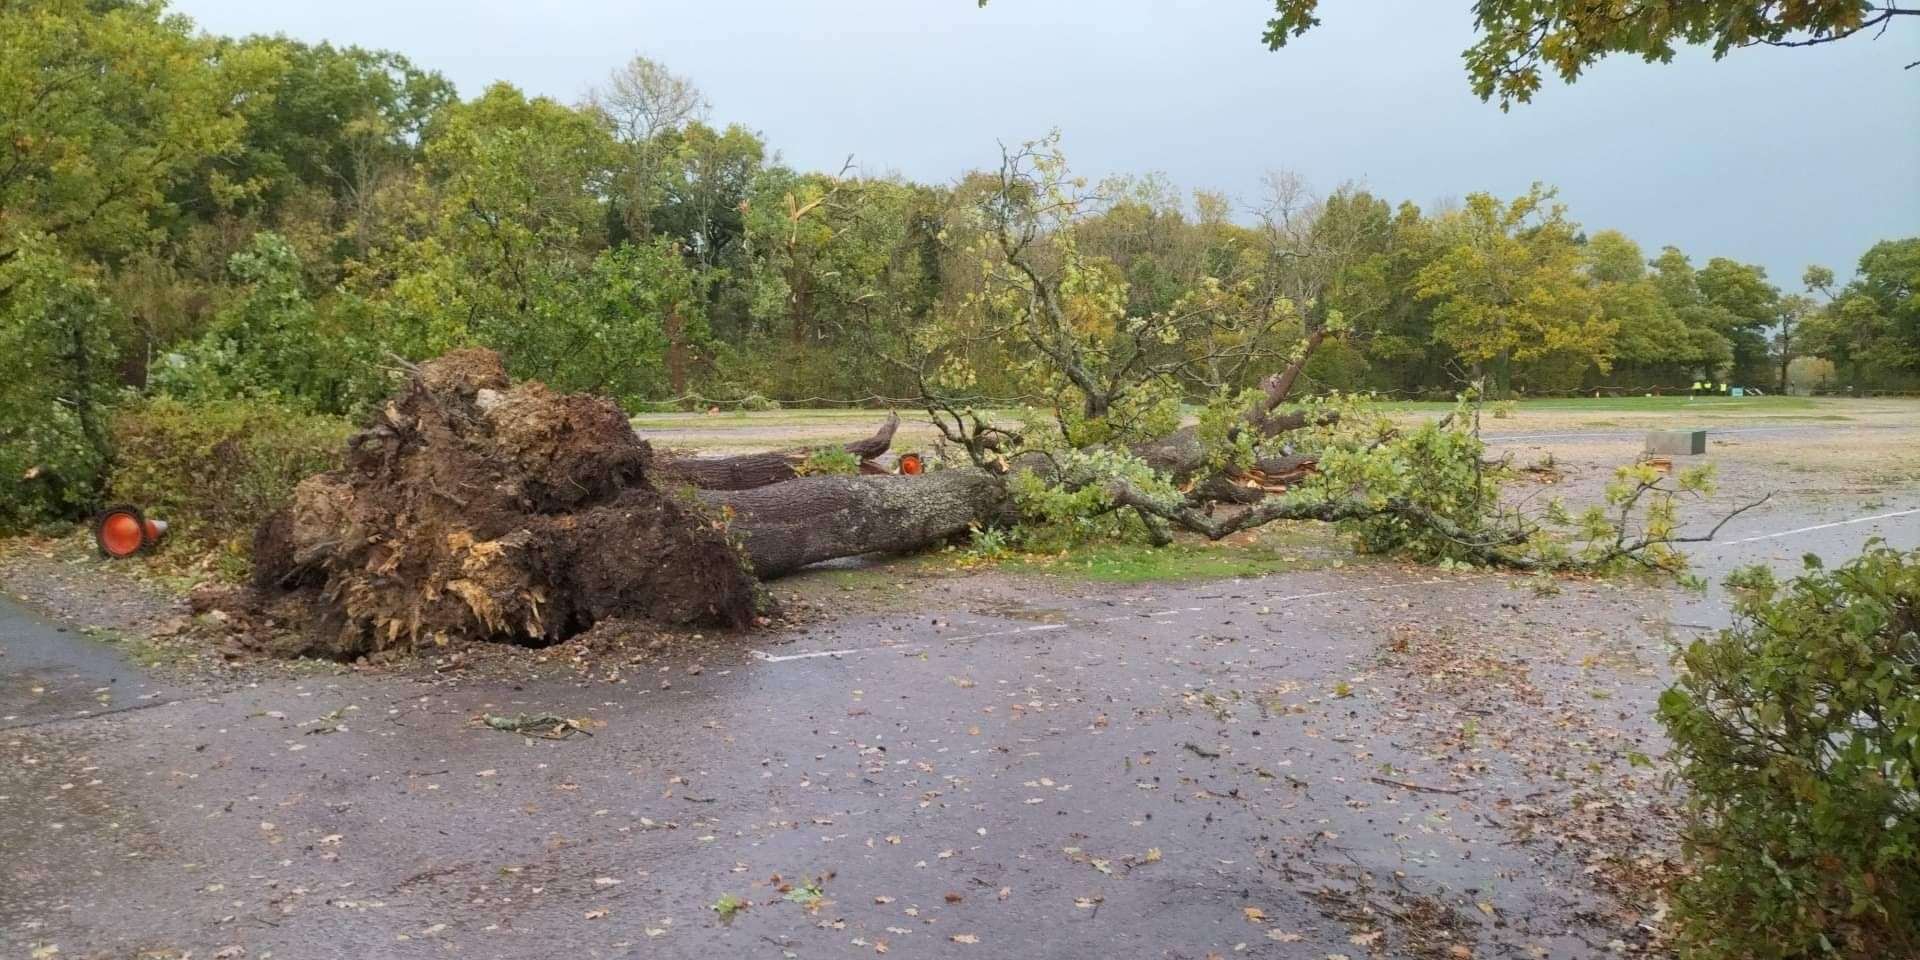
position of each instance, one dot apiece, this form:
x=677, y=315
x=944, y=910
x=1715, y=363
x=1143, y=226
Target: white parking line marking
x=1628, y=434
x=1827, y=526
x=770, y=658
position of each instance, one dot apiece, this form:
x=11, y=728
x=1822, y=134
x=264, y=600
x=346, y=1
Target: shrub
x=57, y=361
x=275, y=345
x=1798, y=732
x=213, y=470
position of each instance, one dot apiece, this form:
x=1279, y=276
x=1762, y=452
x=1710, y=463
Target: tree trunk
x=799, y=306
x=751, y=470
x=676, y=351
x=1180, y=454
x=789, y=525
x=1277, y=388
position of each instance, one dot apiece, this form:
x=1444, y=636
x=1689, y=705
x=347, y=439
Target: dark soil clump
x=471, y=507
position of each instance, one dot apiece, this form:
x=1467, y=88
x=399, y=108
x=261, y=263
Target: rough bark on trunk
x=747, y=471
x=786, y=526
x=1180, y=454
x=676, y=330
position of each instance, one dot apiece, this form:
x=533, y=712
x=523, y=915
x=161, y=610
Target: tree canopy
x=1520, y=41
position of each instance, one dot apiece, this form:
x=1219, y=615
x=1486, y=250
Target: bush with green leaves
x=272, y=344
x=214, y=469
x=1797, y=733
x=57, y=370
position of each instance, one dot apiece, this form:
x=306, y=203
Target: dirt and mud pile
x=472, y=507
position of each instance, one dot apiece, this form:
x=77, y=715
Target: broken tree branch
x=750, y=470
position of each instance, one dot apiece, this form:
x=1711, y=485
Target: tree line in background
x=213, y=219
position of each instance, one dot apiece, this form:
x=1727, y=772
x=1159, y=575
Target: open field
x=740, y=431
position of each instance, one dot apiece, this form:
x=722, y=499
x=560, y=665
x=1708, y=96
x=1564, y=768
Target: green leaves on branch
x=56, y=386
x=1797, y=733
x=1519, y=41
x=272, y=344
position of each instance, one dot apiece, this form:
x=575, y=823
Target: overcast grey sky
x=1778, y=157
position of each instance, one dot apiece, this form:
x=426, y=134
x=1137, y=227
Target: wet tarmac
x=1234, y=768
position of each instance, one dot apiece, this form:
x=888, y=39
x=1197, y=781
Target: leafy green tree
x=844, y=269
x=1328, y=257
x=519, y=218
x=1649, y=336
x=272, y=344
x=704, y=177
x=106, y=107
x=1707, y=330
x=1508, y=287
x=1519, y=40
x=1140, y=225
x=56, y=387
x=1402, y=345
x=1787, y=342
x=644, y=101
x=643, y=322
x=1870, y=329
x=1741, y=306
x=338, y=119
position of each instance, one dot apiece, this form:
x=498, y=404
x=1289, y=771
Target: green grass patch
x=1276, y=549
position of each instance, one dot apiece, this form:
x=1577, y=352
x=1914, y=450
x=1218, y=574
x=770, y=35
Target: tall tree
x=1508, y=287
x=1649, y=335
x=1870, y=328
x=106, y=107
x=1707, y=330
x=643, y=101
x=1741, y=306
x=1794, y=310
x=333, y=118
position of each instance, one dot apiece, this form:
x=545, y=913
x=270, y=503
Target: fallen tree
x=747, y=471
x=785, y=526
x=473, y=507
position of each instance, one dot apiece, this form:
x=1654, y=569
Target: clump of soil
x=472, y=507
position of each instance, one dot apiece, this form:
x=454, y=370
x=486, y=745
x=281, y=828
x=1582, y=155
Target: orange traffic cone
x=122, y=531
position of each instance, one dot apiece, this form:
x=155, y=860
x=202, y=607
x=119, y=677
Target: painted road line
x=1826, y=526
x=1628, y=435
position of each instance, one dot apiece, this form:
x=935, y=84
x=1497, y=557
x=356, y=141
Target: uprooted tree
x=475, y=507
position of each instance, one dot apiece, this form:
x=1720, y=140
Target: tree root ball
x=471, y=507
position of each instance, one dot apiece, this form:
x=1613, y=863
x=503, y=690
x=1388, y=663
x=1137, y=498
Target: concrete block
x=1677, y=443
